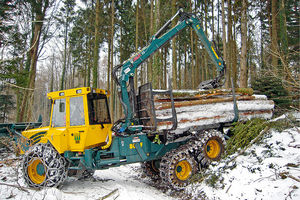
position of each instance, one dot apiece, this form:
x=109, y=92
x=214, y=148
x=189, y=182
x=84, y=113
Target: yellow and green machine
x=81, y=138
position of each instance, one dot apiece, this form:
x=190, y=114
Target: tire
x=177, y=167
x=151, y=169
x=43, y=166
x=212, y=147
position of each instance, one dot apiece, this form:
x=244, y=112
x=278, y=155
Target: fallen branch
x=25, y=189
x=294, y=178
x=109, y=194
x=72, y=192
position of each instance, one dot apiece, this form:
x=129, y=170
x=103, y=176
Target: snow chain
x=51, y=163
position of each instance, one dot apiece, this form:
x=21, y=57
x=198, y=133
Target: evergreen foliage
x=243, y=133
x=6, y=105
x=273, y=88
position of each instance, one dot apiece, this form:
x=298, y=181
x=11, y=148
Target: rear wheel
x=212, y=147
x=151, y=169
x=43, y=166
x=177, y=167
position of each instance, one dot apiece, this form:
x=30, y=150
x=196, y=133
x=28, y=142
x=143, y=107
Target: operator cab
x=80, y=118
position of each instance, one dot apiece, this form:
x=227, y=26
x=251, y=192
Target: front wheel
x=43, y=166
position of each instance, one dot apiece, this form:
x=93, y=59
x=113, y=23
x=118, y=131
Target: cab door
x=77, y=129
x=99, y=120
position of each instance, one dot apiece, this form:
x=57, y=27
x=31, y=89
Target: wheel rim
x=36, y=171
x=213, y=149
x=183, y=170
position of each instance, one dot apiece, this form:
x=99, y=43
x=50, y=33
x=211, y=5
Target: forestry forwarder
x=81, y=138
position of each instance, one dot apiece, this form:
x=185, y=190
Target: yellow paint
x=33, y=173
x=215, y=54
x=183, y=170
x=213, y=149
x=132, y=146
x=66, y=138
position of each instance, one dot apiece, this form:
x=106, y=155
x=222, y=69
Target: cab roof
x=76, y=92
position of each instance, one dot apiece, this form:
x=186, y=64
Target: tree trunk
x=283, y=39
x=62, y=81
x=243, y=75
x=192, y=54
x=205, y=52
x=186, y=80
x=229, y=53
x=96, y=45
x=165, y=67
x=108, y=63
x=174, y=49
x=136, y=39
x=274, y=37
x=224, y=45
x=146, y=38
x=156, y=67
x=39, y=11
x=179, y=69
x=89, y=62
x=112, y=85
x=150, y=64
x=213, y=34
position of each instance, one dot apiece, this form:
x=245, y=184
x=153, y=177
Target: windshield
x=98, y=109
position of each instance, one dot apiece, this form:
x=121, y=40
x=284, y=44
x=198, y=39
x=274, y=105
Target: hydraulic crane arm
x=158, y=40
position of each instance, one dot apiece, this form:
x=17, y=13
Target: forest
x=50, y=45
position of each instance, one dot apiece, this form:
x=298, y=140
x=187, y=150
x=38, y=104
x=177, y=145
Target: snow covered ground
x=268, y=170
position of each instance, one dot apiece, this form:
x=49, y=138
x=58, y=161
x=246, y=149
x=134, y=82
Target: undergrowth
x=242, y=133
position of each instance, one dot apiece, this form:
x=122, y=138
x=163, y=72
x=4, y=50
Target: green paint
x=123, y=150
x=179, y=169
x=40, y=169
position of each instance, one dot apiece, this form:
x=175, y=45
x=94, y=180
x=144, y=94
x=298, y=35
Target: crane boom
x=128, y=68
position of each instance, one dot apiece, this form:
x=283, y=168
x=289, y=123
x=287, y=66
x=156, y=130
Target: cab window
x=59, y=113
x=98, y=109
x=76, y=111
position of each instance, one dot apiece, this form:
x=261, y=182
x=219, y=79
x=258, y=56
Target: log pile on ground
x=198, y=108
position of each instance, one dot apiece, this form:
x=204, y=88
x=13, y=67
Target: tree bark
x=193, y=84
x=274, y=36
x=243, y=75
x=113, y=95
x=174, y=49
x=213, y=33
x=230, y=46
x=150, y=64
x=224, y=44
x=136, y=39
x=156, y=67
x=283, y=40
x=39, y=10
x=96, y=45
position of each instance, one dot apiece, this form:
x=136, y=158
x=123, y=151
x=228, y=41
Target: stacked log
x=199, y=108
